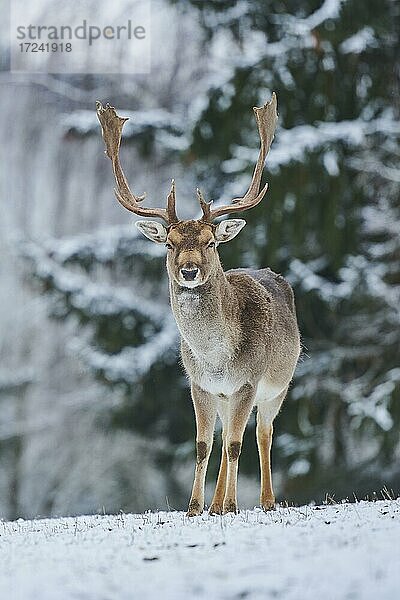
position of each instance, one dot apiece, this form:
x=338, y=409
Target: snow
x=53, y=259
x=330, y=9
x=292, y=144
x=95, y=298
x=168, y=126
x=359, y=42
x=131, y=363
x=330, y=551
x=298, y=33
x=15, y=380
x=103, y=245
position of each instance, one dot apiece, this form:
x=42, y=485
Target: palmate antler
x=266, y=118
x=111, y=125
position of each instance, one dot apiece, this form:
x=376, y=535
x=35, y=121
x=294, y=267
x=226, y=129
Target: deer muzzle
x=189, y=274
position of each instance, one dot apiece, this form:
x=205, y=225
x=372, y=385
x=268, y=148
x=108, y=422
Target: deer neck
x=203, y=314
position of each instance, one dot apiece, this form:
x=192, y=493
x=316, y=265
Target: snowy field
x=343, y=551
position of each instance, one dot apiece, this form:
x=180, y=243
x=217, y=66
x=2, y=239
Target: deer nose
x=189, y=272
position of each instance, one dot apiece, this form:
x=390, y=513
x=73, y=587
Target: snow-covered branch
x=86, y=295
x=102, y=246
x=293, y=144
x=166, y=126
x=130, y=364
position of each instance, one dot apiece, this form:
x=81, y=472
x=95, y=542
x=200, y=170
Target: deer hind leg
x=206, y=412
x=266, y=413
x=219, y=494
x=240, y=408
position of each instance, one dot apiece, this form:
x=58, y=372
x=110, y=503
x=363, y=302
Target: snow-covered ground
x=321, y=552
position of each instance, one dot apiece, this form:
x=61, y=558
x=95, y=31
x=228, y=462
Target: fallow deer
x=239, y=337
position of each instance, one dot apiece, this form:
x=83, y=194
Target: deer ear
x=228, y=229
x=156, y=232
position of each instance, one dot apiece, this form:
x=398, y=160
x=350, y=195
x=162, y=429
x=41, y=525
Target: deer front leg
x=206, y=412
x=219, y=494
x=240, y=408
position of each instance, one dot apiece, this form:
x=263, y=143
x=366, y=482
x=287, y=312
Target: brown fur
x=234, y=450
x=201, y=451
x=240, y=341
x=239, y=338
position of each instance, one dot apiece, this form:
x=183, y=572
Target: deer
x=240, y=341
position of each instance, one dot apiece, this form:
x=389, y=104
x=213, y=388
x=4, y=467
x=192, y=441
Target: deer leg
x=266, y=412
x=206, y=412
x=218, y=498
x=264, y=442
x=219, y=494
x=240, y=409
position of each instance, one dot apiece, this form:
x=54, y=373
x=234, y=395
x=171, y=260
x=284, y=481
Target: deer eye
x=169, y=246
x=211, y=245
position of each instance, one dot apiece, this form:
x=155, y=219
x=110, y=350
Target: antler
x=266, y=118
x=111, y=126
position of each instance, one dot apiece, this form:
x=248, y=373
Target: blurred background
x=95, y=411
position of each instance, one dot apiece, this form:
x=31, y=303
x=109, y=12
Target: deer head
x=192, y=256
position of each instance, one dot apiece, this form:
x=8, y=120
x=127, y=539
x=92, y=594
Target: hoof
x=194, y=509
x=230, y=506
x=215, y=509
x=268, y=505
